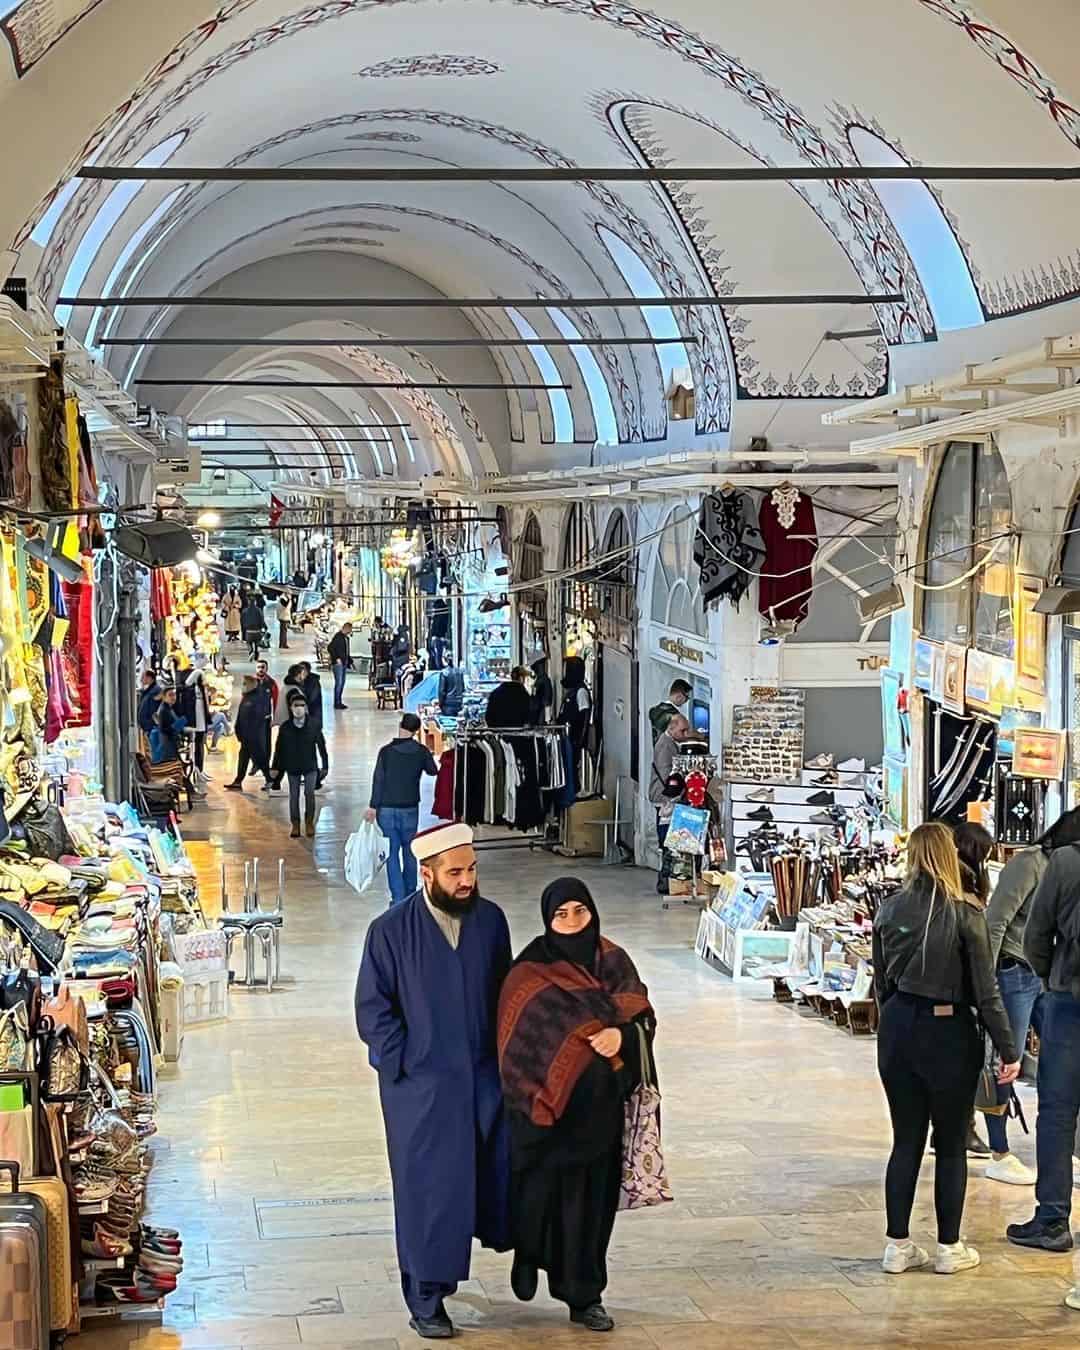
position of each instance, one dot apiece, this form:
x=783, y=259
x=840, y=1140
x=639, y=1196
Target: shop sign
x=872, y=662
x=677, y=648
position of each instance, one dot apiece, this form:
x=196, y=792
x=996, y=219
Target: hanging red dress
x=784, y=588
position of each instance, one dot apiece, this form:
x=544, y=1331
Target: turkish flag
x=277, y=510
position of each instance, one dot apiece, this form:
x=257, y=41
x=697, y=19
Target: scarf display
x=789, y=530
x=550, y=1006
x=728, y=547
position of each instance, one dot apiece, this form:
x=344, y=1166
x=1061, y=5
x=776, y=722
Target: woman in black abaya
x=569, y=1055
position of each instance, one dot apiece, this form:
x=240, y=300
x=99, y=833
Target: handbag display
x=644, y=1175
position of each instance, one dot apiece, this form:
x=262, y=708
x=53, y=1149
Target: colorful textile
x=789, y=529
x=728, y=547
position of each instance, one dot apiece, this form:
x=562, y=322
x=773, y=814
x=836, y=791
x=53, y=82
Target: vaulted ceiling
x=519, y=83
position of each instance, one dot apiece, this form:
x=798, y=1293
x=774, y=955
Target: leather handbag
x=644, y=1175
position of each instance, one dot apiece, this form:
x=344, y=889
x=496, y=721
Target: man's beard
x=449, y=903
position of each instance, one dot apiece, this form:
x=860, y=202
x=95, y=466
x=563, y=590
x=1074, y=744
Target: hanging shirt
x=788, y=526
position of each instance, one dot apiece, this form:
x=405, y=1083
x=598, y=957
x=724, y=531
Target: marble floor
x=270, y=1156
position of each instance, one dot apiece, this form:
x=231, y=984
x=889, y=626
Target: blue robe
x=428, y=1016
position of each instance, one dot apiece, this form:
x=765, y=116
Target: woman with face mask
x=295, y=755
x=569, y=1056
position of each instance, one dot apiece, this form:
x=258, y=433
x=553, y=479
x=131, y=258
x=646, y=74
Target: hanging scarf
x=548, y=1009
x=728, y=547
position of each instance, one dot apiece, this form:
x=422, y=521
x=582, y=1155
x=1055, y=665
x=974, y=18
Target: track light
x=880, y=604
x=49, y=549
x=1058, y=600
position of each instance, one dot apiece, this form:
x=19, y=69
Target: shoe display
x=852, y=765
x=593, y=1318
x=829, y=779
x=956, y=1256
x=821, y=799
x=1010, y=1170
x=901, y=1256
x=822, y=761
x=1055, y=1236
x=762, y=813
x=765, y=794
x=823, y=818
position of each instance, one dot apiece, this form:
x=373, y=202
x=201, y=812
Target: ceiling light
x=1058, y=600
x=880, y=604
x=208, y=520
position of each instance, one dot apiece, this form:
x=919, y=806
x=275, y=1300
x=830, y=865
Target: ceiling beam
x=309, y=426
x=448, y=302
x=336, y=384
x=216, y=442
x=404, y=342
x=638, y=173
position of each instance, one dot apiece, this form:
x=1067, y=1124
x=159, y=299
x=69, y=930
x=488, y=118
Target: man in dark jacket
x=250, y=727
x=395, y=802
x=312, y=687
x=148, y=701
x=1052, y=950
x=295, y=756
x=451, y=687
x=340, y=661
x=253, y=622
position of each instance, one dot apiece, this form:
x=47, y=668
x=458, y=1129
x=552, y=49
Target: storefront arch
x=967, y=524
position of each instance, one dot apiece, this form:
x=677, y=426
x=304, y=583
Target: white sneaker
x=901, y=1256
x=955, y=1257
x=1011, y=1171
x=761, y=795
x=852, y=766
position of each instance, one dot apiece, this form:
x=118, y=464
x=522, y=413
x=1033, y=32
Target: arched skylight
x=105, y=219
x=561, y=413
x=659, y=319
x=607, y=428
x=42, y=231
x=124, y=257
x=927, y=235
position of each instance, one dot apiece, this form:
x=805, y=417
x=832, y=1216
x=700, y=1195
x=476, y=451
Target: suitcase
x=63, y=1302
x=24, y=1268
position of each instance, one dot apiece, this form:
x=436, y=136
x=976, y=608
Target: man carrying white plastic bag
x=365, y=855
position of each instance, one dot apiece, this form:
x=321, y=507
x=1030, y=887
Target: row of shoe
x=152, y=1264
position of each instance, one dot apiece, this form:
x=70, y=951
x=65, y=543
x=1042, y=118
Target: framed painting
x=978, y=677
x=1038, y=753
x=1030, y=636
x=923, y=677
x=953, y=683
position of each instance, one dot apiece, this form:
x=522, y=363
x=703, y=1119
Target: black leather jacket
x=953, y=964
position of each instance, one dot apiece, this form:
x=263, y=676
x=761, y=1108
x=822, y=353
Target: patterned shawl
x=548, y=1009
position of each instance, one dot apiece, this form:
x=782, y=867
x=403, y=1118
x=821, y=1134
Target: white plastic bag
x=366, y=851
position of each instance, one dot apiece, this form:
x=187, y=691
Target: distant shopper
x=1052, y=950
x=400, y=650
x=451, y=687
x=149, y=694
x=576, y=707
x=395, y=802
x=299, y=580
x=510, y=704
x=974, y=844
x=167, y=728
x=232, y=607
x=931, y=964
x=295, y=757
x=313, y=692
x=660, y=714
x=660, y=792
x=293, y=682
x=543, y=693
x=254, y=626
x=251, y=733
x=340, y=661
x=268, y=687
x=194, y=704
x=1021, y=988
x=284, y=614
x=571, y=1016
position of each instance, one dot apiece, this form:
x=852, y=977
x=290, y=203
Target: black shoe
x=234, y=787
x=1054, y=1236
x=821, y=799
x=592, y=1318
x=437, y=1328
x=762, y=813
x=975, y=1146
x=524, y=1280
x=341, y=707
x=320, y=780
x=828, y=779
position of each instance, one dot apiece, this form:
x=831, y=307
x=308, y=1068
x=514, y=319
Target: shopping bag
x=644, y=1176
x=366, y=852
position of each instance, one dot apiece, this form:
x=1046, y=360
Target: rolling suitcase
x=63, y=1296
x=24, y=1268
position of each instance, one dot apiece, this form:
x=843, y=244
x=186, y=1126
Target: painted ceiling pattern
x=435, y=63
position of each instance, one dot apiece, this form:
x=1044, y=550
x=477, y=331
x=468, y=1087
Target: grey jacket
x=1007, y=913
x=1052, y=936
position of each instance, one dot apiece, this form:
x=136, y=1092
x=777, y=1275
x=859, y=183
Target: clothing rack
x=475, y=731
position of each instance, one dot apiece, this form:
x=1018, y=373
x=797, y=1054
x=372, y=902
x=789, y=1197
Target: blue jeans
x=399, y=824
x=1059, y=1104
x=1020, y=989
x=340, y=671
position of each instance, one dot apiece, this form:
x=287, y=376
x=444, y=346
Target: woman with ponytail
x=931, y=965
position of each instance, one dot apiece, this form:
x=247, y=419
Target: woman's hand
x=1008, y=1073
x=607, y=1043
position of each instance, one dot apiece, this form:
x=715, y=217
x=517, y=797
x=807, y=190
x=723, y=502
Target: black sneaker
x=593, y=1318
x=975, y=1146
x=829, y=779
x=437, y=1328
x=821, y=799
x=234, y=787
x=524, y=1280
x=1055, y=1236
x=762, y=813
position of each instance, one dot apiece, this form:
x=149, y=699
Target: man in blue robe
x=426, y=1003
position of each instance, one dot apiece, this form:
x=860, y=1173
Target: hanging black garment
x=728, y=547
x=508, y=705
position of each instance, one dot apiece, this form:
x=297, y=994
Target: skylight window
x=603, y=411
x=561, y=413
x=659, y=319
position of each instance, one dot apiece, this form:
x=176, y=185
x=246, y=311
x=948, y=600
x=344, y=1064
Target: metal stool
x=256, y=925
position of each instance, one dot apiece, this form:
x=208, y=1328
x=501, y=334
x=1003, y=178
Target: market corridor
x=271, y=1157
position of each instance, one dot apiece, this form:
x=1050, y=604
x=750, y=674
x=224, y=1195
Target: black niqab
x=580, y=948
